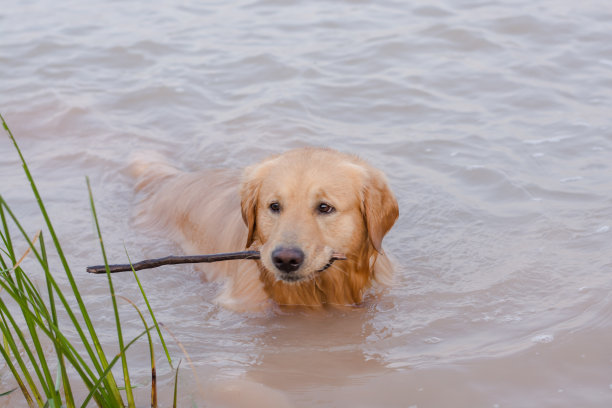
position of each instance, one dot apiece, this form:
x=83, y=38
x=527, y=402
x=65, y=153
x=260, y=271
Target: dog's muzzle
x=288, y=261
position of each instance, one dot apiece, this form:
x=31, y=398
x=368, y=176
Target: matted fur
x=216, y=211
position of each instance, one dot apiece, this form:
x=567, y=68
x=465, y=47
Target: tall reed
x=29, y=323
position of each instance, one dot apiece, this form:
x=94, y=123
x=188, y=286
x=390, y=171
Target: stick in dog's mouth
x=291, y=278
x=174, y=260
x=336, y=256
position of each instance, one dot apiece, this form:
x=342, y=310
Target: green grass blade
x=151, y=354
x=5, y=345
x=126, y=373
x=50, y=280
x=159, y=333
x=16, y=291
x=8, y=340
x=3, y=394
x=74, y=357
x=12, y=343
x=176, y=383
x=22, y=347
x=69, y=352
x=93, y=355
x=14, y=371
x=27, y=288
x=110, y=366
x=63, y=375
x=77, y=361
x=6, y=237
x=45, y=378
x=111, y=383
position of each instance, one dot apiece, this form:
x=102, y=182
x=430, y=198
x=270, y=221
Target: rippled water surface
x=492, y=120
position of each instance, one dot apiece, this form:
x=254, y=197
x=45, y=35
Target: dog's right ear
x=252, y=179
x=379, y=207
x=249, y=193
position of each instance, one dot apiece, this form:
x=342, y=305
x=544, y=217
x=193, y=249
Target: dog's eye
x=275, y=207
x=325, y=208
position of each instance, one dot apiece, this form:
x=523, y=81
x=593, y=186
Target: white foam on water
x=543, y=338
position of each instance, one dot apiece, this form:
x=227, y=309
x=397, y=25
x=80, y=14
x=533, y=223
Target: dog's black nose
x=287, y=259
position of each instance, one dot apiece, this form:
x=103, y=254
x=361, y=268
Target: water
x=491, y=119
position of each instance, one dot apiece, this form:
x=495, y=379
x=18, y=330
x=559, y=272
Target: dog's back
x=201, y=212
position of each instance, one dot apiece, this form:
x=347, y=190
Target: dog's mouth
x=336, y=256
x=293, y=277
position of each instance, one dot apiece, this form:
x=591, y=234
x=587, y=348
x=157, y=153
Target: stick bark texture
x=173, y=260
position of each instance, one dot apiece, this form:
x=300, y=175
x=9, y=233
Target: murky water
x=492, y=120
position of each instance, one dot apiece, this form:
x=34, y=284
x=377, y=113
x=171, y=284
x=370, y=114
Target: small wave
x=543, y=338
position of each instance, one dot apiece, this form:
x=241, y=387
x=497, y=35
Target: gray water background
x=492, y=120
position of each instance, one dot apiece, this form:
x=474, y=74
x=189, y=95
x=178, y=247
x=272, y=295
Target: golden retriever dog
x=298, y=209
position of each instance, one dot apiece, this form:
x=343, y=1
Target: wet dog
x=298, y=209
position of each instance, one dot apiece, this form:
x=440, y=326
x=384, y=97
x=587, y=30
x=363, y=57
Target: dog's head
x=303, y=206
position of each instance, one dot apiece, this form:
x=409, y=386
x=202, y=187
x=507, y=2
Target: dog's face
x=307, y=204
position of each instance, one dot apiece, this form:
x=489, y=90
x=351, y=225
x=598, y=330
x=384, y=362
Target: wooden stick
x=175, y=259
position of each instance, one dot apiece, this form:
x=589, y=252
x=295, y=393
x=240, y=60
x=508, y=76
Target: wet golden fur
x=225, y=211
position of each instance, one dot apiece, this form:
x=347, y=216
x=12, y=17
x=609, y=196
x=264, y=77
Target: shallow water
x=492, y=120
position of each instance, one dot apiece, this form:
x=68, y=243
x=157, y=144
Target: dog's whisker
x=342, y=270
x=336, y=256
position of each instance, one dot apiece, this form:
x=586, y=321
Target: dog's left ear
x=379, y=207
x=252, y=178
x=249, y=193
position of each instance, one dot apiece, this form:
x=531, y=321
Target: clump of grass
x=29, y=323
